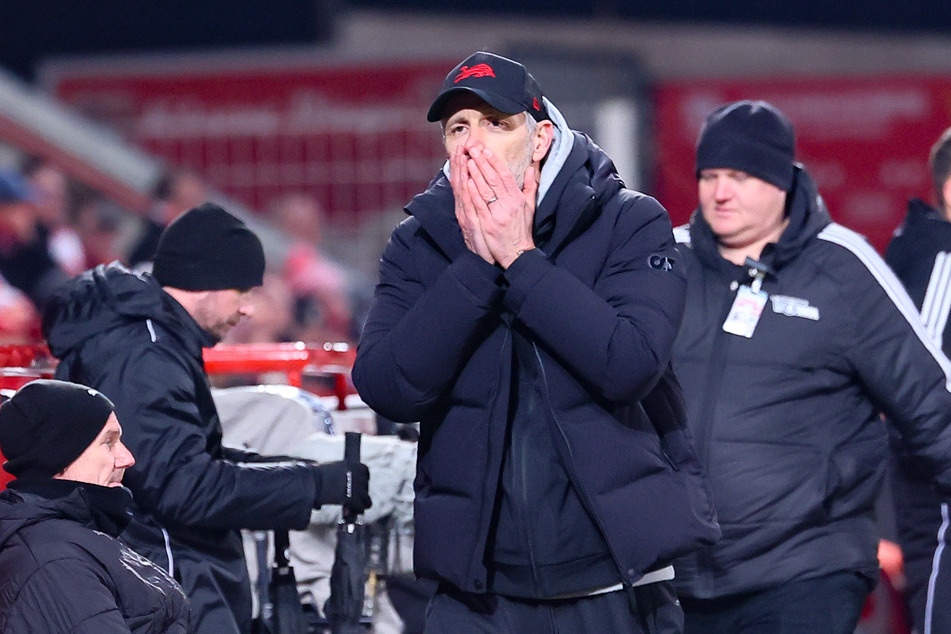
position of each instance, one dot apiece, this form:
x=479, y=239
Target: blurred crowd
x=53, y=228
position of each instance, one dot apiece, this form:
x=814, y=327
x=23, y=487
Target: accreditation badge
x=745, y=312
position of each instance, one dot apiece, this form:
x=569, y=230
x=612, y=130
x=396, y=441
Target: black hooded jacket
x=527, y=385
x=122, y=334
x=788, y=422
x=62, y=570
x=920, y=255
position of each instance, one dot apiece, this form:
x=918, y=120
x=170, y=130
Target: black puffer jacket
x=596, y=309
x=122, y=334
x=788, y=422
x=61, y=572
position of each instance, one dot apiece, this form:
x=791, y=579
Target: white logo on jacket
x=794, y=307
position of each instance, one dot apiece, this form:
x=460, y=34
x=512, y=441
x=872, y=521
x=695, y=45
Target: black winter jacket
x=788, y=422
x=61, y=572
x=920, y=255
x=599, y=303
x=122, y=334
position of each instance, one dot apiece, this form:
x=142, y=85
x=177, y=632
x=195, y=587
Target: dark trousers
x=654, y=609
x=825, y=605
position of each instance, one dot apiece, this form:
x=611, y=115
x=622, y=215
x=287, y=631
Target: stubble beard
x=520, y=164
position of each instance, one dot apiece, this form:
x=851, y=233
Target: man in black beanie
x=796, y=337
x=139, y=340
x=62, y=567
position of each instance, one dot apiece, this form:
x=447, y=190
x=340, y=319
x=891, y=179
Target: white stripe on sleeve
x=859, y=246
x=937, y=300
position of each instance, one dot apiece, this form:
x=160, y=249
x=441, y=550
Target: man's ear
x=544, y=135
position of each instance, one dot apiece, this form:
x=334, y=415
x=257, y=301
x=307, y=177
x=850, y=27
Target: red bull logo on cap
x=479, y=70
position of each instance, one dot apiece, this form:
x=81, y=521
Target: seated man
x=61, y=567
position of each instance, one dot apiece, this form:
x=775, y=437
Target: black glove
x=332, y=486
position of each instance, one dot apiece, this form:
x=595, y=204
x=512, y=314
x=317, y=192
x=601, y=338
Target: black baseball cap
x=501, y=82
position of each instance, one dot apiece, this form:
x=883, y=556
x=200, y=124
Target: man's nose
x=124, y=457
x=722, y=190
x=473, y=138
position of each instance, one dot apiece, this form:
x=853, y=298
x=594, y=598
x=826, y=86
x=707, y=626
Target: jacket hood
x=104, y=298
x=807, y=214
x=918, y=212
x=575, y=175
x=19, y=510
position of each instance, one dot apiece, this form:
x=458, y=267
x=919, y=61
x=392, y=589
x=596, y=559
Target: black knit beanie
x=208, y=249
x=47, y=424
x=749, y=136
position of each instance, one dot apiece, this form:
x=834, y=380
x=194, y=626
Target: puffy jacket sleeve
x=418, y=334
x=617, y=335
x=177, y=474
x=903, y=370
x=47, y=605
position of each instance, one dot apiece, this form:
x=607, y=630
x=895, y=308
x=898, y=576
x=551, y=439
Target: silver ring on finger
x=491, y=200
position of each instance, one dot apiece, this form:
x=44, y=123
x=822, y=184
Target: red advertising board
x=355, y=134
x=865, y=140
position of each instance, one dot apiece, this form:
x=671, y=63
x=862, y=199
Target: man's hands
x=495, y=215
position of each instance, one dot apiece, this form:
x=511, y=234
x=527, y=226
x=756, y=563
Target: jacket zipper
x=485, y=514
x=529, y=532
x=571, y=473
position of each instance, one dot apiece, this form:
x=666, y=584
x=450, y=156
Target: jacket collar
x=192, y=336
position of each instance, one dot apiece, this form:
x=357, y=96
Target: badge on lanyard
x=748, y=304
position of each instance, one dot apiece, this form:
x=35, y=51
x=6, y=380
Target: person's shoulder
x=850, y=259
x=924, y=230
x=640, y=200
x=145, y=356
x=407, y=226
x=404, y=235
x=639, y=209
x=846, y=245
x=130, y=339
x=49, y=540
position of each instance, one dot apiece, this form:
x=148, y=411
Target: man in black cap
x=796, y=337
x=61, y=567
x=525, y=311
x=139, y=340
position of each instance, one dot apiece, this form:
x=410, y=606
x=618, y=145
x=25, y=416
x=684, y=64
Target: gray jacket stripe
x=168, y=553
x=935, y=569
x=859, y=246
x=937, y=301
x=682, y=234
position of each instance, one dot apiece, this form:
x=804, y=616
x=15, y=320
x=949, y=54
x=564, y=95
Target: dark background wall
x=934, y=15
x=31, y=30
